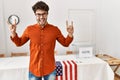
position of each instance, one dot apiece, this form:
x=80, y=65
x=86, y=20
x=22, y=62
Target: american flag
x=66, y=70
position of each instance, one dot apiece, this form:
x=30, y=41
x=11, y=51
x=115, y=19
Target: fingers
x=67, y=25
x=71, y=23
x=8, y=23
x=12, y=25
x=70, y=29
x=12, y=22
x=15, y=22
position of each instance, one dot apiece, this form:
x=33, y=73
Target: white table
x=16, y=68
x=90, y=68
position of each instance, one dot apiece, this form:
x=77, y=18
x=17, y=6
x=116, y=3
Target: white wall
x=58, y=14
x=108, y=27
x=105, y=25
x=2, y=30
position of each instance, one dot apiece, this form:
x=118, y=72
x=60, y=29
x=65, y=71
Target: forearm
x=13, y=34
x=70, y=35
x=65, y=41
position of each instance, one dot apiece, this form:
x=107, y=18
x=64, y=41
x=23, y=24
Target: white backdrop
x=104, y=30
x=57, y=15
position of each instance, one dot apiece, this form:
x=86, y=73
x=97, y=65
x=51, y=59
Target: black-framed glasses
x=42, y=14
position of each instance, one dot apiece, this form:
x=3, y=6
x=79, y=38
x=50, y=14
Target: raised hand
x=70, y=28
x=12, y=28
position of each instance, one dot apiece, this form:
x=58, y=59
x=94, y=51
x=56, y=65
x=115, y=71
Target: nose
x=41, y=16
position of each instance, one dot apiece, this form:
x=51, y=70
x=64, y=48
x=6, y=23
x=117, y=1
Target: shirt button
x=41, y=44
x=41, y=36
x=41, y=52
x=41, y=31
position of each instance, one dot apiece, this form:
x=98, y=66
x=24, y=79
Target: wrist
x=70, y=35
x=13, y=34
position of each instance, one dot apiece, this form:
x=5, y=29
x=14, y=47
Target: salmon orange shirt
x=42, y=44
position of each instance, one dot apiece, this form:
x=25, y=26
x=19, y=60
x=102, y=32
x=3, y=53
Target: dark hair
x=40, y=5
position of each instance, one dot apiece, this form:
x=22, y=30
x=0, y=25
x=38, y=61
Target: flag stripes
x=75, y=65
x=69, y=70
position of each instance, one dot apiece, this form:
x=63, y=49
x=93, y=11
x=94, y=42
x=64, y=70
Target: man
x=42, y=36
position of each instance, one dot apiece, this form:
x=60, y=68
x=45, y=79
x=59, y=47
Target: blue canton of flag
x=59, y=71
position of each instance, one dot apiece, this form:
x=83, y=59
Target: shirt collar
x=41, y=27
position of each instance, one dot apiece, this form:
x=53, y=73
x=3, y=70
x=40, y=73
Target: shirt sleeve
x=65, y=41
x=19, y=41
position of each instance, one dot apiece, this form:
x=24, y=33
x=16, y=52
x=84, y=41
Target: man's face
x=41, y=17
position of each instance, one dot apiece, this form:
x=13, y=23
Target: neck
x=42, y=26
